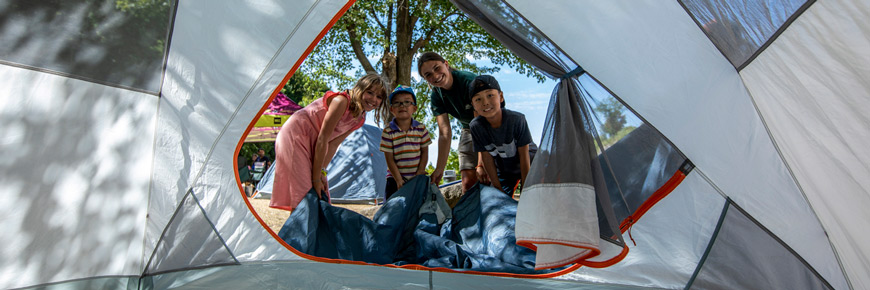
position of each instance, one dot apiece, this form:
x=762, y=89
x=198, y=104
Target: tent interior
x=745, y=172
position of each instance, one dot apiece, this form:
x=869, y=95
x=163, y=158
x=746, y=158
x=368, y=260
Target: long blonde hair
x=369, y=82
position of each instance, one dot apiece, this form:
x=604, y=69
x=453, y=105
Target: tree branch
x=422, y=3
x=424, y=39
x=375, y=16
x=356, y=45
x=388, y=43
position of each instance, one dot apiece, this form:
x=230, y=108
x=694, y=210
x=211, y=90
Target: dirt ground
x=275, y=218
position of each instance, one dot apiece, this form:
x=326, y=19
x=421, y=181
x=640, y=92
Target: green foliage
x=453, y=161
x=250, y=149
x=396, y=31
x=610, y=140
x=614, y=118
x=150, y=21
x=303, y=89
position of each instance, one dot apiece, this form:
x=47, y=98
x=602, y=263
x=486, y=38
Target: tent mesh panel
x=99, y=41
x=739, y=28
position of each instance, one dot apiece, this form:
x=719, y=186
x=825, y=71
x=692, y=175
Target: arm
x=333, y=147
x=321, y=147
x=489, y=166
x=481, y=172
x=394, y=169
x=525, y=163
x=424, y=158
x=444, y=137
x=482, y=177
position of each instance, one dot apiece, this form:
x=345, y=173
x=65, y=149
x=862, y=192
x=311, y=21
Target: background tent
x=357, y=173
x=132, y=181
x=267, y=126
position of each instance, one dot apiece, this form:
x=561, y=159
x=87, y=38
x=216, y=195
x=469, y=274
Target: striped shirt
x=405, y=146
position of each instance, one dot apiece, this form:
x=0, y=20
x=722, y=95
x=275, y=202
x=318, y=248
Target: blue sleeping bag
x=479, y=236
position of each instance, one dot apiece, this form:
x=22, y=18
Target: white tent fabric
x=75, y=177
x=251, y=56
x=684, y=73
x=109, y=185
x=812, y=86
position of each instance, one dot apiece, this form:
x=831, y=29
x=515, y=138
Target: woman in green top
x=450, y=97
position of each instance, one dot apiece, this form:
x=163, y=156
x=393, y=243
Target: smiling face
x=487, y=103
x=372, y=98
x=401, y=106
x=437, y=73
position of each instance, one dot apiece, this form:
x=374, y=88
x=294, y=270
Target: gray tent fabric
x=561, y=180
x=740, y=30
x=626, y=185
x=120, y=125
x=552, y=170
x=742, y=248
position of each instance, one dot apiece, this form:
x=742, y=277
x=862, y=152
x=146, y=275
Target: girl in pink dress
x=308, y=140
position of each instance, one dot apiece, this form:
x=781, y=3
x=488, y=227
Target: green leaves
x=386, y=36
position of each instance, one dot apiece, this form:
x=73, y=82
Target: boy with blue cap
x=405, y=142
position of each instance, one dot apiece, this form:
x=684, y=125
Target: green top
x=456, y=100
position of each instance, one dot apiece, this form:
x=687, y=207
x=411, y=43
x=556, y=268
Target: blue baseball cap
x=403, y=89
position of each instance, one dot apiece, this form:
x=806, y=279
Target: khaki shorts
x=467, y=155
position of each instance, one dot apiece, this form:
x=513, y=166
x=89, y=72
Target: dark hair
x=429, y=56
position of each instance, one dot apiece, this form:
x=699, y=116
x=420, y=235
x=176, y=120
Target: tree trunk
x=404, y=55
x=388, y=63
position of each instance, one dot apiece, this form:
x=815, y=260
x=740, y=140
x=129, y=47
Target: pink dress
x=294, y=150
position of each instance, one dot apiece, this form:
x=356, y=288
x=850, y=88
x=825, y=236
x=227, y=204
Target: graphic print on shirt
x=504, y=151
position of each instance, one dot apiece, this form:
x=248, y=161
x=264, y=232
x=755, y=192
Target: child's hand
x=436, y=176
x=481, y=175
x=400, y=182
x=320, y=186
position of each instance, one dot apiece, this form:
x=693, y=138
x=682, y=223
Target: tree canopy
x=384, y=37
x=303, y=89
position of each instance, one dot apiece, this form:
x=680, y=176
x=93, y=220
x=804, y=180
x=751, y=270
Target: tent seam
x=213, y=227
x=45, y=285
x=781, y=242
x=155, y=141
x=710, y=182
x=244, y=100
x=775, y=144
x=165, y=229
x=710, y=244
x=248, y=94
x=192, y=268
x=80, y=78
x=800, y=11
x=800, y=187
x=168, y=46
x=530, y=23
x=701, y=27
